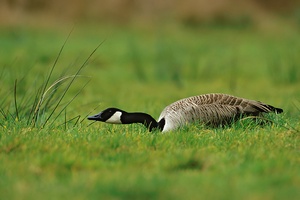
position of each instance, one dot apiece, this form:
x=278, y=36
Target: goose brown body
x=210, y=109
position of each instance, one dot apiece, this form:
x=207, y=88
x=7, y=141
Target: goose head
x=109, y=115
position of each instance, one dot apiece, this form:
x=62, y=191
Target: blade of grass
x=69, y=85
x=38, y=106
x=89, y=113
x=78, y=118
x=3, y=113
x=15, y=100
x=296, y=106
x=33, y=107
x=54, y=87
x=91, y=123
x=55, y=62
x=67, y=121
x=68, y=103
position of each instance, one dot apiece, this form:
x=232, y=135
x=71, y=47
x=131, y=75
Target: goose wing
x=212, y=109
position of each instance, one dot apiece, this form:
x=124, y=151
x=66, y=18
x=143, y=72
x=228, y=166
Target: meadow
x=50, y=82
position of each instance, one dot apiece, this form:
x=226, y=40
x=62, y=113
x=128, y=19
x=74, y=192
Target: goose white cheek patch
x=115, y=118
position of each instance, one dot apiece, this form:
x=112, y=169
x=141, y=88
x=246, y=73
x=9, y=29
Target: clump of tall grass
x=42, y=105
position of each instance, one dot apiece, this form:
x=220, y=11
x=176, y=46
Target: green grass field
x=48, y=150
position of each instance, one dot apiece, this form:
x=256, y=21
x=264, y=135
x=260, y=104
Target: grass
x=145, y=70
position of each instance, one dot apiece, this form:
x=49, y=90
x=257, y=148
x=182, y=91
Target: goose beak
x=96, y=117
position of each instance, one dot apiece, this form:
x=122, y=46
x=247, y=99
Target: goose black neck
x=143, y=118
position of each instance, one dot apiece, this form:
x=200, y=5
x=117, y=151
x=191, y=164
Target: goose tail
x=274, y=109
x=264, y=108
x=277, y=110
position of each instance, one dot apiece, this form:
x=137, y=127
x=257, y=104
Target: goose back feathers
x=212, y=110
x=209, y=109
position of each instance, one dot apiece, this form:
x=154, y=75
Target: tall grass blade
x=91, y=123
x=90, y=113
x=15, y=100
x=32, y=117
x=55, y=62
x=39, y=104
x=67, y=121
x=78, y=118
x=65, y=107
x=69, y=85
x=3, y=113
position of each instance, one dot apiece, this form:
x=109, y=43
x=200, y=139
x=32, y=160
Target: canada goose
x=209, y=109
